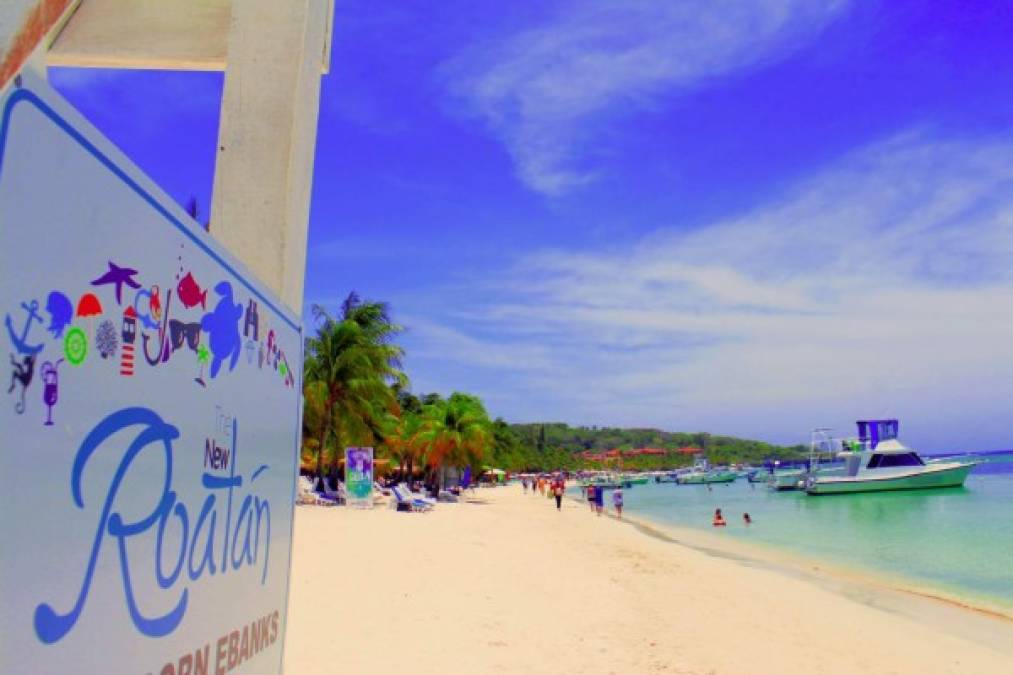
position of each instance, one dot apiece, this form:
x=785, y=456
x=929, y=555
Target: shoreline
x=505, y=583
x=894, y=592
x=722, y=541
x=793, y=561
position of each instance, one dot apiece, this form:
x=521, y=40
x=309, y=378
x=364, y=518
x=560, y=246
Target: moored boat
x=635, y=479
x=877, y=461
x=787, y=479
x=707, y=477
x=702, y=474
x=608, y=481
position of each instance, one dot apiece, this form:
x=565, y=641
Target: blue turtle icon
x=222, y=327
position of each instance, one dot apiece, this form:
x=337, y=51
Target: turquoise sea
x=958, y=540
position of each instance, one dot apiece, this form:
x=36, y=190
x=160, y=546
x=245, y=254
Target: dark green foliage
x=356, y=394
x=550, y=446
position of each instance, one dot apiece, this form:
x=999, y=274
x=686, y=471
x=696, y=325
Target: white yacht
x=877, y=461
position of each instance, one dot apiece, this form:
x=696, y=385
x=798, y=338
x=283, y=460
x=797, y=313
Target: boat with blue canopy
x=877, y=461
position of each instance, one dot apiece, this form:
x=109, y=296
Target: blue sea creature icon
x=21, y=342
x=61, y=313
x=222, y=327
x=119, y=276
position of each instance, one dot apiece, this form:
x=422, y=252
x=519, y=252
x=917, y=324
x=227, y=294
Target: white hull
x=929, y=476
x=786, y=480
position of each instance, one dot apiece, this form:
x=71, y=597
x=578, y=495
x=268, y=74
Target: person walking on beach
x=524, y=482
x=590, y=496
x=617, y=502
x=558, y=486
x=599, y=499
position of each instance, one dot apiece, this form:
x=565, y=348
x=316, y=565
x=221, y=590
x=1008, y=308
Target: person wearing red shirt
x=558, y=487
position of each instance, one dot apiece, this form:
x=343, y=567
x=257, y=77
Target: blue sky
x=745, y=218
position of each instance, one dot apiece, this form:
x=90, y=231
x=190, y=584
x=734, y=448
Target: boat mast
x=817, y=437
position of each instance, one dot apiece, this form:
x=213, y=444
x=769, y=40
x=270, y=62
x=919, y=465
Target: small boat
x=635, y=479
x=758, y=476
x=666, y=477
x=692, y=478
x=707, y=477
x=876, y=461
x=608, y=481
x=694, y=475
x=702, y=474
x=787, y=479
x=795, y=478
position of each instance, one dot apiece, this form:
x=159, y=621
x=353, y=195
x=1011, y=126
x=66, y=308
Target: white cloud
x=543, y=89
x=440, y=342
x=882, y=286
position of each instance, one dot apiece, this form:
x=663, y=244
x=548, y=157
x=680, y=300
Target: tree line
x=357, y=393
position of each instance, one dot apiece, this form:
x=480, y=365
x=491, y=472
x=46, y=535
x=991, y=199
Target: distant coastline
x=547, y=446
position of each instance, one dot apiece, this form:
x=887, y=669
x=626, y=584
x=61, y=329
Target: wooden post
x=263, y=177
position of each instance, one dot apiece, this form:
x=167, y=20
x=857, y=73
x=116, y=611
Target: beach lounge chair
x=418, y=495
x=338, y=495
x=318, y=489
x=407, y=501
x=306, y=495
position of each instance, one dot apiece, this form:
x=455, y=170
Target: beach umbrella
x=497, y=474
x=88, y=307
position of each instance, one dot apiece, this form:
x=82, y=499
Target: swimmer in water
x=719, y=520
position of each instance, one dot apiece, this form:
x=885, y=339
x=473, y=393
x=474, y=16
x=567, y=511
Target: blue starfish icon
x=119, y=276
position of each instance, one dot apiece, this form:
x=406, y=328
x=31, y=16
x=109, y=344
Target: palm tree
x=456, y=431
x=349, y=367
x=406, y=440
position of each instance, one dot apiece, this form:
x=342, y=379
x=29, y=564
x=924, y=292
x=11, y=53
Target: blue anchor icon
x=20, y=343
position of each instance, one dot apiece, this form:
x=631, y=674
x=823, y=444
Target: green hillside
x=554, y=445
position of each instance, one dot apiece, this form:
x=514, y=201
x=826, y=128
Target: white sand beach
x=506, y=584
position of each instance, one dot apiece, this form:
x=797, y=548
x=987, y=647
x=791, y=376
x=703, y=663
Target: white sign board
x=149, y=434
